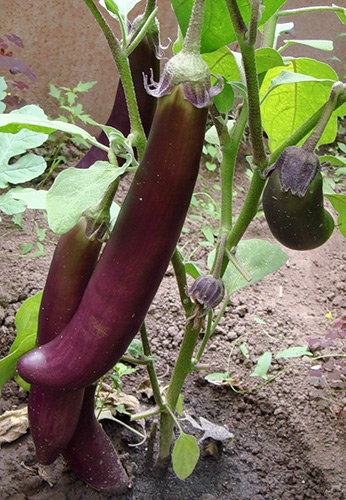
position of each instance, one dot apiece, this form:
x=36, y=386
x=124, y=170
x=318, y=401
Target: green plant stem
x=180, y=276
x=182, y=368
x=192, y=40
x=119, y=55
x=246, y=41
x=229, y=143
x=311, y=142
x=142, y=31
x=248, y=210
x=151, y=368
x=304, y=10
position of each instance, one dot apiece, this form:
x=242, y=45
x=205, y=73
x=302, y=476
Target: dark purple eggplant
x=91, y=454
x=53, y=415
x=142, y=60
x=135, y=257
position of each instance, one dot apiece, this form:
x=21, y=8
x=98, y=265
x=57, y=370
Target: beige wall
x=64, y=45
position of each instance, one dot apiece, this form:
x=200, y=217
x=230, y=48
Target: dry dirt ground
x=288, y=443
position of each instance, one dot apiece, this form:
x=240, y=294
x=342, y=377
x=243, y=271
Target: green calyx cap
x=191, y=71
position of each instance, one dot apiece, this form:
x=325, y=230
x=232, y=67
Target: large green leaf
x=26, y=323
x=217, y=27
x=14, y=122
x=75, y=190
x=259, y=258
x=339, y=203
x=28, y=166
x=185, y=455
x=222, y=62
x=289, y=105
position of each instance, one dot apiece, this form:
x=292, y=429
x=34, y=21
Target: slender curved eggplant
x=135, y=257
x=53, y=415
x=90, y=453
x=142, y=60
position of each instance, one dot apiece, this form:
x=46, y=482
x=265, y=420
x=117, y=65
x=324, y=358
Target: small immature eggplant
x=53, y=415
x=90, y=453
x=293, y=201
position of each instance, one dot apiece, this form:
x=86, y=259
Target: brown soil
x=287, y=445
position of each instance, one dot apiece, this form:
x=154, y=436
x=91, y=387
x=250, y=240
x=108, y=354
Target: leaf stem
x=180, y=276
x=311, y=142
x=151, y=368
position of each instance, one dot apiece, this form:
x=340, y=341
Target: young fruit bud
x=207, y=291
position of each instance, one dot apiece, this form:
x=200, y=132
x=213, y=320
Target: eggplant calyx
x=296, y=168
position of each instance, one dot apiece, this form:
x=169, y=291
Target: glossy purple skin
x=142, y=60
x=91, y=455
x=135, y=258
x=53, y=415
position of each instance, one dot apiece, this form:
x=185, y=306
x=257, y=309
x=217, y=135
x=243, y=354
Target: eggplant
x=142, y=60
x=293, y=201
x=53, y=416
x=135, y=257
x=91, y=454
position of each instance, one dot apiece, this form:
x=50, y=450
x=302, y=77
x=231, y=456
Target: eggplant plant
x=88, y=317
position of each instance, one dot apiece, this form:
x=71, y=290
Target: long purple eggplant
x=135, y=257
x=142, y=60
x=91, y=455
x=53, y=415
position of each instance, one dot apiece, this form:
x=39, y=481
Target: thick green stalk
x=182, y=368
x=120, y=57
x=246, y=40
x=230, y=144
x=192, y=40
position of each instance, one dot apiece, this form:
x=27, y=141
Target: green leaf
x=25, y=169
x=135, y=348
x=9, y=205
x=25, y=249
x=29, y=166
x=33, y=198
x=258, y=257
x=262, y=366
x=326, y=45
x=267, y=58
x=179, y=406
x=8, y=363
x=185, y=455
x=294, y=352
x=222, y=62
x=244, y=350
x=289, y=105
x=217, y=26
x=341, y=14
x=334, y=160
x=224, y=101
x=26, y=321
x=76, y=190
x=84, y=86
x=54, y=91
x=15, y=122
x=217, y=377
x=339, y=204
